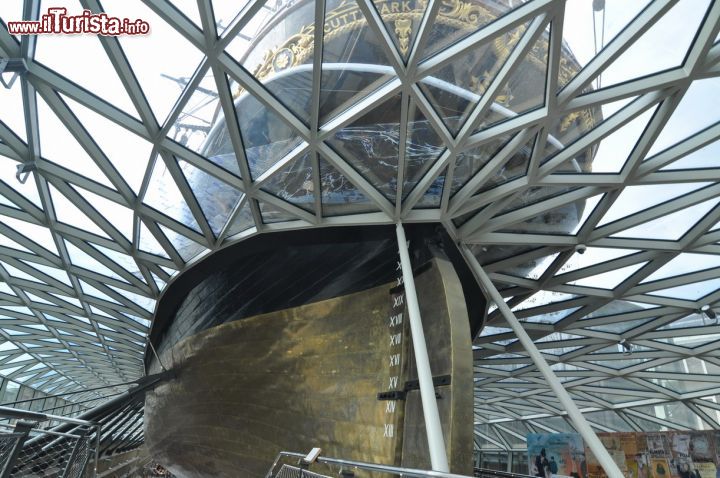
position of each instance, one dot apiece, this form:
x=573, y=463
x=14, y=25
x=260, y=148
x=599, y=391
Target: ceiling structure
x=118, y=190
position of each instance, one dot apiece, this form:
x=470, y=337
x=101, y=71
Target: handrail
x=383, y=468
x=499, y=473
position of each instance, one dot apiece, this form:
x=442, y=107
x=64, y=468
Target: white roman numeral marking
x=394, y=360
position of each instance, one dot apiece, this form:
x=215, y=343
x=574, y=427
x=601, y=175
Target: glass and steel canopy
x=571, y=145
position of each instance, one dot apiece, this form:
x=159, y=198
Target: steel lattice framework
x=94, y=235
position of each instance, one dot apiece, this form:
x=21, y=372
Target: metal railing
x=488, y=473
x=30, y=448
x=300, y=470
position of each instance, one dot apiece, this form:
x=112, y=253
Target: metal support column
x=98, y=433
x=581, y=425
x=433, y=428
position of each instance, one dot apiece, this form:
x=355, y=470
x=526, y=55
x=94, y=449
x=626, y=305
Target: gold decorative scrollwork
x=403, y=29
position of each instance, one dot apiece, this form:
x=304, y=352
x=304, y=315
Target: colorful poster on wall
x=670, y=454
x=614, y=446
x=564, y=454
x=705, y=470
x=701, y=447
x=656, y=445
x=659, y=468
x=680, y=464
x=642, y=466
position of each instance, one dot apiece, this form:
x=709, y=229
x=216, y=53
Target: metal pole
x=433, y=429
x=581, y=425
x=98, y=432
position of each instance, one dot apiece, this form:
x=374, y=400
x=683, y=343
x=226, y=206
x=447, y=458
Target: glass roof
x=528, y=129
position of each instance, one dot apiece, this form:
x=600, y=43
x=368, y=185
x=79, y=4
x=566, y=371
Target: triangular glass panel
x=128, y=152
x=354, y=61
x=67, y=212
x=164, y=195
x=634, y=199
x=610, y=279
x=189, y=9
x=19, y=274
x=95, y=311
x=122, y=218
x=469, y=162
x=145, y=302
x=532, y=269
x=294, y=183
x=613, y=151
x=456, y=21
x=339, y=195
x=7, y=242
x=272, y=214
x=371, y=146
x=694, y=291
x=589, y=206
x=592, y=257
x=654, y=51
x=60, y=53
x=524, y=90
x=670, y=227
x=123, y=260
x=620, y=327
x=568, y=129
x=226, y=10
x=186, y=247
x=685, y=263
x=534, y=195
x=422, y=147
x=5, y=289
x=162, y=81
x=194, y=126
x=94, y=292
x=148, y=243
x=514, y=167
x=402, y=21
x=433, y=196
x=53, y=272
x=550, y=317
x=203, y=127
x=698, y=109
x=462, y=219
x=216, y=198
x=158, y=281
x=82, y=259
x=65, y=298
x=39, y=300
x=280, y=55
x=455, y=89
x=12, y=113
x=560, y=220
x=61, y=147
x=704, y=158
x=266, y=136
x=242, y=221
x=587, y=31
